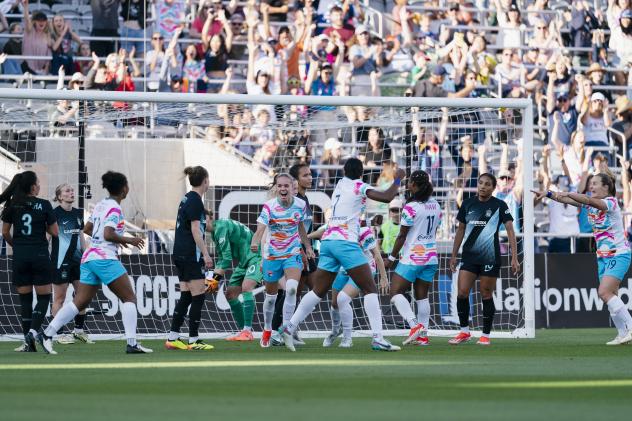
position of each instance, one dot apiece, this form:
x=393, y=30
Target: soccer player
x=232, y=242
x=26, y=219
x=283, y=217
x=100, y=265
x=191, y=257
x=613, y=250
x=421, y=216
x=480, y=218
x=66, y=253
x=340, y=247
x=342, y=315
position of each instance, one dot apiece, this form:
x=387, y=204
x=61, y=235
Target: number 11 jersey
x=420, y=247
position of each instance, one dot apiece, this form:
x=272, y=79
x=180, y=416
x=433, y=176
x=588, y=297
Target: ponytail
x=18, y=190
x=196, y=175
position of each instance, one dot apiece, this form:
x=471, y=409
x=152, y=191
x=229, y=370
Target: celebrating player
x=191, y=257
x=613, y=250
x=340, y=247
x=100, y=265
x=232, y=242
x=283, y=217
x=421, y=216
x=66, y=255
x=480, y=218
x=31, y=218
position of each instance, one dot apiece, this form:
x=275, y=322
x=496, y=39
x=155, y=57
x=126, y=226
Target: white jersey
x=348, y=204
x=420, y=247
x=368, y=244
x=107, y=213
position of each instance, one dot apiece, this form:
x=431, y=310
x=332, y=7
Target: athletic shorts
x=273, y=270
x=492, y=271
x=308, y=266
x=33, y=268
x=67, y=273
x=413, y=272
x=96, y=272
x=615, y=266
x=188, y=268
x=250, y=269
x=339, y=253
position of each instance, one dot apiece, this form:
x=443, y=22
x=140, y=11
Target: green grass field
x=563, y=374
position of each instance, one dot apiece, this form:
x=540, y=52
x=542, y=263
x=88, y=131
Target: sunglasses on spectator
x=541, y=27
x=157, y=38
x=506, y=177
x=364, y=33
x=327, y=72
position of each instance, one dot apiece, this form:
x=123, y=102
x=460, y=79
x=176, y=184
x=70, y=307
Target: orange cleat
x=483, y=341
x=460, y=338
x=415, y=332
x=422, y=341
x=265, y=339
x=244, y=336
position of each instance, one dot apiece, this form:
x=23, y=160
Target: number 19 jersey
x=107, y=213
x=420, y=247
x=348, y=204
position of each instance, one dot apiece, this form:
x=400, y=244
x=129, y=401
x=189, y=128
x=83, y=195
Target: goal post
x=151, y=137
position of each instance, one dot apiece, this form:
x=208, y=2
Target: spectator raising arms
x=37, y=41
x=63, y=36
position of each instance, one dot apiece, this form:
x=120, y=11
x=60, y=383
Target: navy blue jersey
x=309, y=215
x=191, y=209
x=30, y=220
x=66, y=248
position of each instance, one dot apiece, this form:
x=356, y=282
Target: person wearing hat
x=509, y=19
x=390, y=228
x=332, y=155
x=621, y=43
x=597, y=76
x=363, y=57
x=433, y=86
x=622, y=126
x=595, y=120
x=37, y=41
x=560, y=102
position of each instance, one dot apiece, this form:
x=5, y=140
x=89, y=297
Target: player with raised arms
x=190, y=257
x=66, y=252
x=613, y=250
x=232, y=243
x=421, y=216
x=480, y=218
x=340, y=248
x=283, y=217
x=100, y=265
x=26, y=219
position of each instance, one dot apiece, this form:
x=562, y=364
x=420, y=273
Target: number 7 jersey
x=420, y=247
x=107, y=213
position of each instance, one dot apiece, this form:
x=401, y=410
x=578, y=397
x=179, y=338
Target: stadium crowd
x=572, y=59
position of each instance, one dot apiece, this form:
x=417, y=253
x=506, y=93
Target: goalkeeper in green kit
x=232, y=243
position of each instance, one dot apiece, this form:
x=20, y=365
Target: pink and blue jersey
x=107, y=213
x=420, y=247
x=607, y=226
x=348, y=204
x=282, y=237
x=368, y=243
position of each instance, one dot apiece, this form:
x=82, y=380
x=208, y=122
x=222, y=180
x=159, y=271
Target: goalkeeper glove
x=212, y=281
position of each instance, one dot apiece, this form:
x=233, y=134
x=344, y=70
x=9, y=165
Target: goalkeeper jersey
x=232, y=242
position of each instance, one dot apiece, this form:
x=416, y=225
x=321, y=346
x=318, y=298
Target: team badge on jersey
x=488, y=213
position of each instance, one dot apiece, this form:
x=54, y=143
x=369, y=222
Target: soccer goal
x=75, y=136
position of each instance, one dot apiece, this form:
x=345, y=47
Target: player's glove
x=212, y=281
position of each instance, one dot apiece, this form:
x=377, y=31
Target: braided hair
x=421, y=180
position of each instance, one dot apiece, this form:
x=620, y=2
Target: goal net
x=75, y=136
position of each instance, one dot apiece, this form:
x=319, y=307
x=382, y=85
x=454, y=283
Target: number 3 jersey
x=420, y=247
x=107, y=213
x=29, y=220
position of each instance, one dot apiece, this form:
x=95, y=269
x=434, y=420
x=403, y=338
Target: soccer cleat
x=29, y=340
x=621, y=340
x=46, y=342
x=65, y=339
x=460, y=338
x=243, y=336
x=23, y=348
x=288, y=339
x=177, y=344
x=415, y=332
x=483, y=340
x=422, y=341
x=346, y=343
x=297, y=339
x=276, y=339
x=137, y=349
x=331, y=338
x=200, y=345
x=82, y=337
x=265, y=339
x=383, y=345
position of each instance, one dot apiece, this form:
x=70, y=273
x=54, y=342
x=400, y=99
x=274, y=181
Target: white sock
x=173, y=336
x=65, y=315
x=465, y=329
x=403, y=307
x=193, y=339
x=308, y=302
x=620, y=315
x=335, y=318
x=268, y=310
x=374, y=313
x=130, y=318
x=346, y=314
x=289, y=304
x=423, y=312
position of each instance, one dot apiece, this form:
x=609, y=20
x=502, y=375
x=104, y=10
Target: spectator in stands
x=321, y=82
x=509, y=19
x=170, y=16
x=62, y=36
x=83, y=66
x=13, y=47
x=193, y=71
x=104, y=24
x=153, y=61
x=343, y=29
x=332, y=156
x=536, y=12
x=37, y=41
x=433, y=86
x=622, y=127
x=240, y=37
x=213, y=9
x=545, y=39
x=216, y=51
x=375, y=153
x=595, y=120
x=621, y=42
x=134, y=15
x=4, y=24
x=364, y=61
x=468, y=173
x=390, y=228
x=507, y=73
x=560, y=103
x=263, y=74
